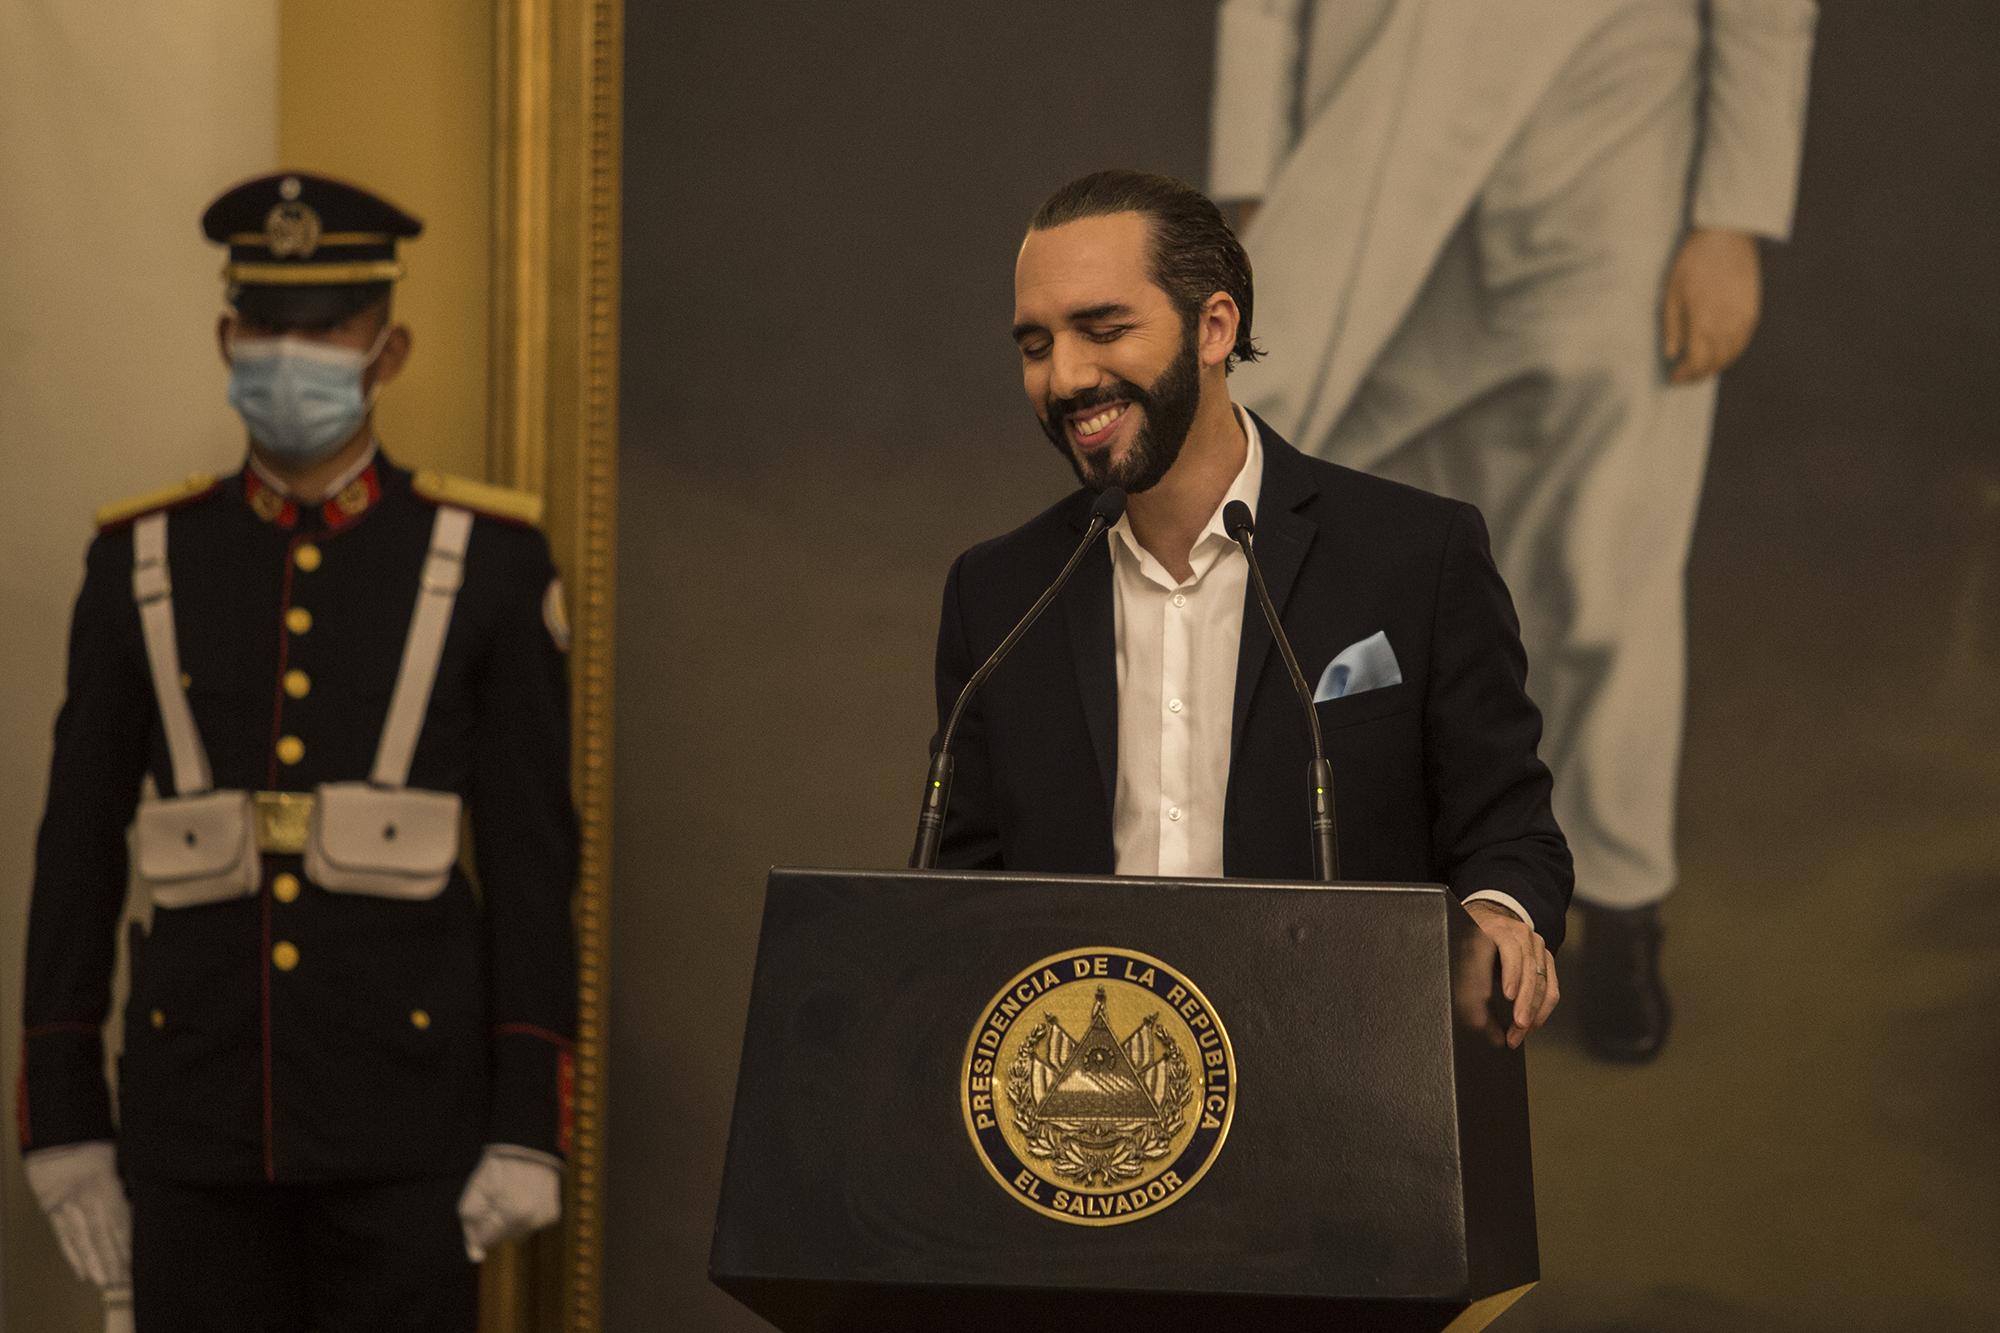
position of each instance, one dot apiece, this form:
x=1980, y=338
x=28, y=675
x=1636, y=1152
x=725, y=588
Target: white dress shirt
x=1177, y=643
x=1176, y=647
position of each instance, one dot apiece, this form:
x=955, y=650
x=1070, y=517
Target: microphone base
x=930, y=814
x=1326, y=841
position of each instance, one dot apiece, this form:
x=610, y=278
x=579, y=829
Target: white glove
x=512, y=1192
x=118, y=1310
x=77, y=1185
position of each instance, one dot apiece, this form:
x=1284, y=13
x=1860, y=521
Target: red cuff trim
x=53, y=1029
x=565, y=1101
x=530, y=1030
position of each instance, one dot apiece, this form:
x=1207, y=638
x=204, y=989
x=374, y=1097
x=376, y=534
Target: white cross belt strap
x=153, y=590
x=376, y=837
x=379, y=837
x=196, y=846
x=437, y=591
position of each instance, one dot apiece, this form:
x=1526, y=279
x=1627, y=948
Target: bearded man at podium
x=1150, y=728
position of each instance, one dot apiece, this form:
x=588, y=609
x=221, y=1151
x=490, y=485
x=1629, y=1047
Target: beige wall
x=117, y=124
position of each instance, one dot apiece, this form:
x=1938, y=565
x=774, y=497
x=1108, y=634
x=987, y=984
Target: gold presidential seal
x=1098, y=1086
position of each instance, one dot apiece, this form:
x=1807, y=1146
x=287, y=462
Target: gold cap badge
x=292, y=231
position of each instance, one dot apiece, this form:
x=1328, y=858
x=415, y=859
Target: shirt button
x=284, y=955
x=419, y=1019
x=306, y=557
x=290, y=749
x=1180, y=599
x=1174, y=813
x=1173, y=705
x=297, y=683
x=298, y=620
x=285, y=888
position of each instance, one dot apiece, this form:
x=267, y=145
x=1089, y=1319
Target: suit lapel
x=1283, y=538
x=1093, y=647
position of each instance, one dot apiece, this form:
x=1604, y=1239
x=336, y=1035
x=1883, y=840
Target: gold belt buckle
x=282, y=820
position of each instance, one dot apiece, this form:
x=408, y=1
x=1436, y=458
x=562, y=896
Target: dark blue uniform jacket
x=301, y=1035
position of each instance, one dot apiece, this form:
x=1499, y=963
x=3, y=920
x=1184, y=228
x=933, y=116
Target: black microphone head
x=1109, y=506
x=1236, y=521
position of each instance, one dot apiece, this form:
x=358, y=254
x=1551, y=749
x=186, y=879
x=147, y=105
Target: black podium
x=976, y=1102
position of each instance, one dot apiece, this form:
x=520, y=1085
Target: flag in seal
x=1098, y=1086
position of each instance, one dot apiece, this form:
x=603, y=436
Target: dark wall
x=821, y=408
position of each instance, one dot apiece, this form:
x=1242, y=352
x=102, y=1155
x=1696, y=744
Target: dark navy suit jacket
x=1437, y=778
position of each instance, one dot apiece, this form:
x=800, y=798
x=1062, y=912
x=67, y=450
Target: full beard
x=1169, y=406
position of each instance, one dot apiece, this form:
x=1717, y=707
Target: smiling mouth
x=1097, y=427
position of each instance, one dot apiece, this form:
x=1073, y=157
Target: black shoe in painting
x=1625, y=1008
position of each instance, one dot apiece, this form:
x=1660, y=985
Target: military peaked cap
x=296, y=229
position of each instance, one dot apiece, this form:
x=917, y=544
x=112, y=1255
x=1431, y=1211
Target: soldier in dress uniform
x=346, y=1069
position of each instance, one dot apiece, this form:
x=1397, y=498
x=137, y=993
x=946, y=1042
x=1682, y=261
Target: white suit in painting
x=1467, y=215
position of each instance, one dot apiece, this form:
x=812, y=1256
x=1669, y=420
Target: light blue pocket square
x=1367, y=665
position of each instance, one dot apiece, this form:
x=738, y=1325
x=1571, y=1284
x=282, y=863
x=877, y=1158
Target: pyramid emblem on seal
x=1098, y=1081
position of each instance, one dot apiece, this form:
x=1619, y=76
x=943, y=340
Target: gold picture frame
x=553, y=428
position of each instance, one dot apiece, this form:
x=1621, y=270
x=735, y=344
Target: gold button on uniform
x=298, y=620
x=297, y=683
x=285, y=955
x=285, y=888
x=186, y=680
x=419, y=1019
x=290, y=749
x=306, y=557
x=159, y=1018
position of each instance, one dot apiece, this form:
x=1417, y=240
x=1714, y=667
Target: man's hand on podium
x=1527, y=969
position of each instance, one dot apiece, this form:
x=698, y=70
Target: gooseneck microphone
x=1110, y=504
x=1236, y=521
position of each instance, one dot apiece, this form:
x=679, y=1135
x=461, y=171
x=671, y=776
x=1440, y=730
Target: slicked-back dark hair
x=1191, y=253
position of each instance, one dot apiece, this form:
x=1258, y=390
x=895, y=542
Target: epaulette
x=479, y=496
x=197, y=485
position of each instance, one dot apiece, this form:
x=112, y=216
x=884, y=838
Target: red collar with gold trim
x=353, y=500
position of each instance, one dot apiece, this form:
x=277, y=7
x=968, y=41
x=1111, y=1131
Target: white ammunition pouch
x=389, y=842
x=377, y=837
x=197, y=849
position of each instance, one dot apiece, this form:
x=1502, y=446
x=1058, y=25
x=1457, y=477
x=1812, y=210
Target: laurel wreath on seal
x=1099, y=1152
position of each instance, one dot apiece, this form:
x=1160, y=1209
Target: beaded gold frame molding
x=554, y=408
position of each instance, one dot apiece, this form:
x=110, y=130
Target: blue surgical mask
x=300, y=398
